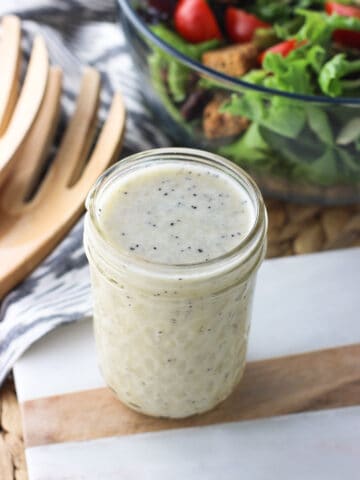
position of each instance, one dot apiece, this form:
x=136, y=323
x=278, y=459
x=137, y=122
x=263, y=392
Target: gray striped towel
x=77, y=32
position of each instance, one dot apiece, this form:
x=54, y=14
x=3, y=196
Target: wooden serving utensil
x=30, y=228
x=17, y=112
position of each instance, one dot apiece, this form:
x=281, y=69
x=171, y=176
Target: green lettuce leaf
x=156, y=66
x=318, y=27
x=280, y=10
x=319, y=124
x=332, y=77
x=250, y=150
x=191, y=50
x=178, y=75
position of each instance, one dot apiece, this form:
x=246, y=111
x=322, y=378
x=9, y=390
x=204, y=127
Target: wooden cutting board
x=296, y=409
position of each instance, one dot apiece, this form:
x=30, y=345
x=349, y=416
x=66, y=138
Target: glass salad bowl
x=297, y=147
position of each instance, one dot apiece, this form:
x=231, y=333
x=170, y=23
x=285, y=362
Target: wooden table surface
x=293, y=230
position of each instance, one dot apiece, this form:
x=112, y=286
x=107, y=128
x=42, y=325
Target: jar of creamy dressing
x=174, y=238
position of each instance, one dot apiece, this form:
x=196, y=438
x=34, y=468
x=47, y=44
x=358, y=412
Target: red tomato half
x=348, y=38
x=241, y=26
x=284, y=48
x=195, y=21
x=342, y=10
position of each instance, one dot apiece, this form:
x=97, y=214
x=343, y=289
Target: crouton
x=221, y=125
x=235, y=60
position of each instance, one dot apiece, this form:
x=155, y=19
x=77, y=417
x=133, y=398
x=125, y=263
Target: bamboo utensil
x=30, y=227
x=17, y=112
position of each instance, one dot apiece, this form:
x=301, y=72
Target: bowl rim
x=231, y=82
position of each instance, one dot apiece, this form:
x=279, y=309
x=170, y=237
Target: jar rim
x=250, y=243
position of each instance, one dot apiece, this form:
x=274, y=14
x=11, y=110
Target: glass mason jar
x=166, y=347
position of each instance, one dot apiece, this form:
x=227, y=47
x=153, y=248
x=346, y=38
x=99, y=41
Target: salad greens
x=303, y=141
x=178, y=75
x=280, y=10
x=332, y=77
x=318, y=27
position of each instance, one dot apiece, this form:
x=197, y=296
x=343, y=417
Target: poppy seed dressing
x=173, y=260
x=176, y=214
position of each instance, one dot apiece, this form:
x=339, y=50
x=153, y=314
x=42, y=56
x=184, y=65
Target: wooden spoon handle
x=79, y=135
x=10, y=53
x=108, y=145
x=26, y=108
x=34, y=150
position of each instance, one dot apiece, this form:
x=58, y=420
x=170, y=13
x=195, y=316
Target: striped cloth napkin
x=77, y=32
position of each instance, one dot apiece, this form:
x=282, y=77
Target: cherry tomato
x=195, y=21
x=241, y=26
x=348, y=38
x=284, y=48
x=342, y=10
